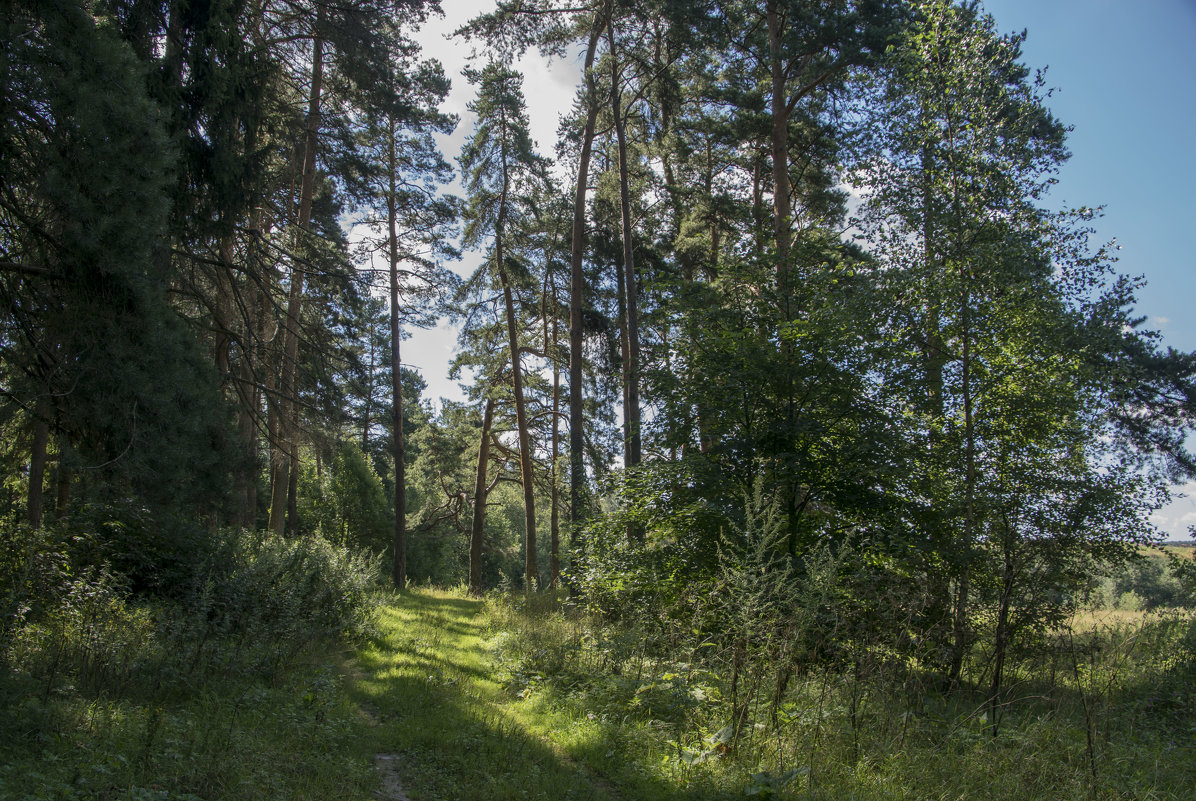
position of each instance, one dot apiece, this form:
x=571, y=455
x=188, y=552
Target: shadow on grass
x=428, y=686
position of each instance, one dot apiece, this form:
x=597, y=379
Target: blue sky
x=1124, y=76
x=1124, y=73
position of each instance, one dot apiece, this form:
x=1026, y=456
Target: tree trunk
x=554, y=525
x=531, y=572
x=292, y=522
x=369, y=401
x=939, y=614
x=624, y=352
x=62, y=481
x=631, y=397
x=780, y=154
x=1001, y=638
x=479, y=502
x=37, y=465
x=246, y=476
x=577, y=471
x=289, y=462
x=400, y=529
x=964, y=549
x=278, y=454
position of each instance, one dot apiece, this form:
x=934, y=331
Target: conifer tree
x=502, y=173
x=413, y=231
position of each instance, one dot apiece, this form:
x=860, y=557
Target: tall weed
x=254, y=605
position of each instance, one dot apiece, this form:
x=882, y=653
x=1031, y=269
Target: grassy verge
x=232, y=689
x=456, y=732
x=1112, y=719
x=240, y=738
x=458, y=699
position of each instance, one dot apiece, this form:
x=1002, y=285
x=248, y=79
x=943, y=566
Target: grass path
x=441, y=727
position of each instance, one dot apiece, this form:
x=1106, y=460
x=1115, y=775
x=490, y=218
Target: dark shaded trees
x=92, y=353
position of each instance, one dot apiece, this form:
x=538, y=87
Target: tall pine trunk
x=554, y=524
x=780, y=154
x=479, y=502
x=631, y=398
x=782, y=239
x=399, y=573
x=577, y=471
x=531, y=571
x=287, y=463
x=1002, y=634
x=960, y=633
x=37, y=465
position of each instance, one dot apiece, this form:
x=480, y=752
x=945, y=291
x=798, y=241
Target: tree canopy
x=795, y=269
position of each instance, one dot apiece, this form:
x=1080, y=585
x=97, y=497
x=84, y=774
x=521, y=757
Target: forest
x=808, y=448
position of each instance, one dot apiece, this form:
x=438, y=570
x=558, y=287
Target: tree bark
x=554, y=524
x=531, y=571
x=780, y=153
x=288, y=463
x=399, y=573
x=367, y=416
x=1001, y=638
x=964, y=551
x=551, y=342
x=631, y=398
x=783, y=238
x=479, y=502
x=577, y=471
x=63, y=482
x=37, y=466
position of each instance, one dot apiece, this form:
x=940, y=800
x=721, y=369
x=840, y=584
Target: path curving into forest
x=444, y=727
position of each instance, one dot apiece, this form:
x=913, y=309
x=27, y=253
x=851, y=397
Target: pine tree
x=502, y=173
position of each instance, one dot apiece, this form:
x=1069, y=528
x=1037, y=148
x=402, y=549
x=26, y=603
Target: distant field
x=1089, y=619
x=1184, y=550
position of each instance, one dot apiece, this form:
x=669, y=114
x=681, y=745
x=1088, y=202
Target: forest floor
x=444, y=727
x=457, y=711
x=456, y=699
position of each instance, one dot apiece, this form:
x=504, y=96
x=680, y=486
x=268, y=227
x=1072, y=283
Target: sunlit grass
x=1124, y=681
x=506, y=699
x=1085, y=620
x=455, y=729
x=1183, y=551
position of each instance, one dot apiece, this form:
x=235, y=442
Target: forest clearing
x=450, y=697
x=806, y=443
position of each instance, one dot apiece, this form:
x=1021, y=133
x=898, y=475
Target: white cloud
x=1175, y=518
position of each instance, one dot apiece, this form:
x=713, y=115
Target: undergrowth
x=1107, y=712
x=228, y=688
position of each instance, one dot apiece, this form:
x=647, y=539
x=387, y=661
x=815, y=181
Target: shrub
x=1153, y=582
x=253, y=605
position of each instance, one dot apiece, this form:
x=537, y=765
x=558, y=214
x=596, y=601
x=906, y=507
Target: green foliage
x=208, y=694
x=283, y=594
x=1097, y=711
x=34, y=570
x=92, y=342
x=347, y=503
x=152, y=553
x=880, y=475
x=1154, y=581
x=250, y=604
